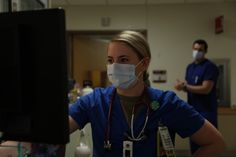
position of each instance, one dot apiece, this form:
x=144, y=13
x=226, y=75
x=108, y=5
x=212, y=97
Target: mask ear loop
x=140, y=71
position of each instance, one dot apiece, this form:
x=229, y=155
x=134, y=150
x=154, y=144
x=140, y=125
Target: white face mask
x=197, y=54
x=122, y=75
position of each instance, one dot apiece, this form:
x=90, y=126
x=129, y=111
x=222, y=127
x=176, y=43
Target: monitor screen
x=33, y=81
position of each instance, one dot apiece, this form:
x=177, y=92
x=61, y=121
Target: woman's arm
x=73, y=125
x=210, y=140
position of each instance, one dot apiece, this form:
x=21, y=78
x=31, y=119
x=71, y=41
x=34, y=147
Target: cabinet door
x=88, y=59
x=223, y=83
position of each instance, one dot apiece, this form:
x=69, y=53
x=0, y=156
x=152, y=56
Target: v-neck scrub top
x=171, y=111
x=205, y=104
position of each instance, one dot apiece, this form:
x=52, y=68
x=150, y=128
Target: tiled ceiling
x=131, y=2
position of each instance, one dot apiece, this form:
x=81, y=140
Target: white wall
x=173, y=28
x=171, y=31
x=89, y=18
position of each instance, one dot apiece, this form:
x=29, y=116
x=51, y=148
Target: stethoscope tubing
x=107, y=143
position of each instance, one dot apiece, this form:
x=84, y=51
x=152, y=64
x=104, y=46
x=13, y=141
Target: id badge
x=127, y=149
x=166, y=141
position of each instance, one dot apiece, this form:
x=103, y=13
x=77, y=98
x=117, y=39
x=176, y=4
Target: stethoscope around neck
x=131, y=137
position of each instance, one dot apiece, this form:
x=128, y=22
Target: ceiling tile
x=203, y=1
x=130, y=2
x=87, y=2
x=126, y=2
x=165, y=1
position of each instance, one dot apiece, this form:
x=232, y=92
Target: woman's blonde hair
x=138, y=43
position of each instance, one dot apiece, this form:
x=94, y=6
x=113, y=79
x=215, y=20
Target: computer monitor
x=33, y=77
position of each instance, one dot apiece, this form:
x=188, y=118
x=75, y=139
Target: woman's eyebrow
x=123, y=56
x=118, y=56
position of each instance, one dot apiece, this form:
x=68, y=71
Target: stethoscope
x=131, y=137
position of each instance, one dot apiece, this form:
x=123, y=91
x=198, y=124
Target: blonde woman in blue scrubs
x=126, y=116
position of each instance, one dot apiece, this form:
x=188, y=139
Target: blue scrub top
x=173, y=112
x=195, y=75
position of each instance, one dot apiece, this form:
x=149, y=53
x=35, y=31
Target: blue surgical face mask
x=197, y=55
x=122, y=75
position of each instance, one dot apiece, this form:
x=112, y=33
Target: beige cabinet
x=88, y=60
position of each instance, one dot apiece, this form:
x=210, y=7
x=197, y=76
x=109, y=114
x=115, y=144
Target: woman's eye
x=109, y=61
x=124, y=60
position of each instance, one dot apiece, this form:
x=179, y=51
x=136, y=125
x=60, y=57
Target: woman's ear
x=146, y=62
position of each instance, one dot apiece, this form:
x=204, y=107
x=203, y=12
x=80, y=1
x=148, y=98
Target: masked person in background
x=127, y=116
x=200, y=85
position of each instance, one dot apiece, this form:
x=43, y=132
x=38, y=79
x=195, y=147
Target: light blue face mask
x=122, y=75
x=197, y=55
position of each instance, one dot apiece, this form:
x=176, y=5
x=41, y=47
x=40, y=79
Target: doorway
x=87, y=55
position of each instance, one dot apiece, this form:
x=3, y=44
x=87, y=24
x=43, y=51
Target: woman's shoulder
x=163, y=96
x=98, y=94
x=104, y=90
x=158, y=93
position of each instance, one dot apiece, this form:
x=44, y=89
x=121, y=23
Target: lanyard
x=107, y=143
